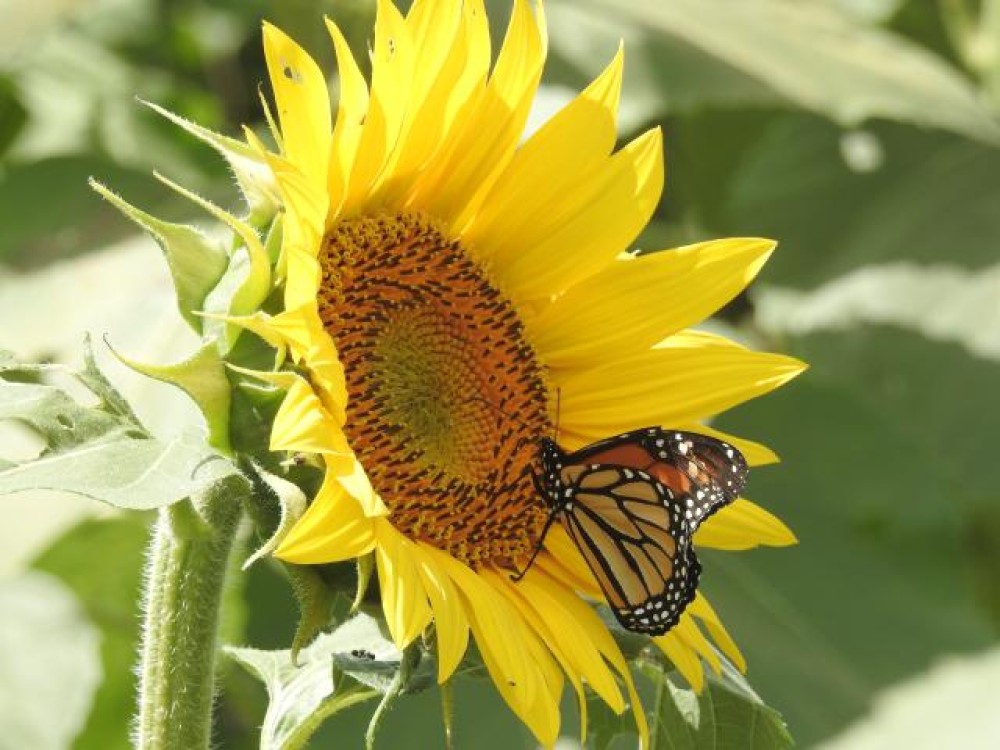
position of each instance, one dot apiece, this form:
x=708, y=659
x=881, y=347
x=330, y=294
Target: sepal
x=202, y=377
x=248, y=277
x=275, y=506
x=196, y=262
x=249, y=167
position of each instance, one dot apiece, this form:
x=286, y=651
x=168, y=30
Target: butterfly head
x=548, y=480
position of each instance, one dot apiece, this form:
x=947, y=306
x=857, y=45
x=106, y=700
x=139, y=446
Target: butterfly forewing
x=712, y=473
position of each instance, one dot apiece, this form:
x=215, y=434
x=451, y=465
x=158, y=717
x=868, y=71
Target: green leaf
x=50, y=654
x=697, y=52
x=13, y=115
x=102, y=562
x=273, y=492
x=98, y=384
x=251, y=263
x=124, y=471
x=925, y=197
x=275, y=506
x=868, y=10
x=61, y=421
x=195, y=261
x=301, y=697
x=202, y=376
x=95, y=452
x=728, y=715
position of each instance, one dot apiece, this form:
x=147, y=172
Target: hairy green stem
x=185, y=579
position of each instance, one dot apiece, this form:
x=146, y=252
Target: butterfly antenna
x=555, y=429
x=500, y=411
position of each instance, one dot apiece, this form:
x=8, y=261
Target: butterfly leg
x=541, y=539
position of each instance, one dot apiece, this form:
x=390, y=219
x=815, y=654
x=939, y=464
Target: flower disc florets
x=444, y=393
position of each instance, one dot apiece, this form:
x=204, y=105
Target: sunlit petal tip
x=744, y=525
x=701, y=609
x=789, y=367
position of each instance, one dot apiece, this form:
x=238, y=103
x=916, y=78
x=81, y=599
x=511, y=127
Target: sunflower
x=443, y=282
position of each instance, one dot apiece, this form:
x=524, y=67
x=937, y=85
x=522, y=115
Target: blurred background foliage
x=862, y=134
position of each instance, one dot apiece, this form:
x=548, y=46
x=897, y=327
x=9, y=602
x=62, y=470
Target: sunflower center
x=446, y=399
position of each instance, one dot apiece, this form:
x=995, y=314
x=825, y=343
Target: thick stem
x=187, y=571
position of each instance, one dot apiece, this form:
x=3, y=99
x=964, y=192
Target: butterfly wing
x=632, y=532
x=710, y=473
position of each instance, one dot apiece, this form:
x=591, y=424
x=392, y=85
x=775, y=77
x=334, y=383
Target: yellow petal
x=521, y=667
x=359, y=486
x=689, y=632
x=392, y=74
x=287, y=329
x=303, y=105
x=333, y=529
x=490, y=131
x=301, y=332
x=404, y=598
x=667, y=386
x=701, y=609
x=566, y=567
x=444, y=116
x=450, y=621
x=562, y=153
x=438, y=34
x=638, y=300
x=563, y=560
x=683, y=658
x=351, y=110
x=542, y=628
x=555, y=611
x=305, y=207
x=303, y=276
x=303, y=424
x=743, y=525
x=585, y=230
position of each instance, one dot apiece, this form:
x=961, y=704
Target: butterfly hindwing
x=632, y=533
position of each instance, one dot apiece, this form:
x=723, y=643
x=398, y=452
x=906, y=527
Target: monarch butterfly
x=631, y=504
